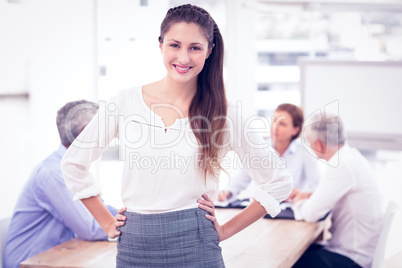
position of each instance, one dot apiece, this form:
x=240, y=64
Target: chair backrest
x=379, y=255
x=4, y=224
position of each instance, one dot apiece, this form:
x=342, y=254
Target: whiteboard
x=367, y=96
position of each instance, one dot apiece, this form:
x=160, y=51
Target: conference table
x=266, y=243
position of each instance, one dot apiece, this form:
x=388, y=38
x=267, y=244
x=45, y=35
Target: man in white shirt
x=349, y=189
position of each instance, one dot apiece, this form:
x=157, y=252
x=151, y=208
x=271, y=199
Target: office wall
x=14, y=37
x=365, y=94
x=48, y=50
x=128, y=47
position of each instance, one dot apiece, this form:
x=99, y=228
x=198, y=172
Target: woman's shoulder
x=134, y=91
x=127, y=96
x=236, y=111
x=296, y=146
x=234, y=116
x=303, y=152
x=296, y=143
x=124, y=100
x=244, y=118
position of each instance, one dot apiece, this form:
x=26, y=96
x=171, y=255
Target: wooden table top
x=266, y=243
x=269, y=242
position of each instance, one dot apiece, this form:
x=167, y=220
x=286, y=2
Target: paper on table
x=233, y=203
x=285, y=205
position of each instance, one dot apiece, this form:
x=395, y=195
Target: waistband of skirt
x=166, y=215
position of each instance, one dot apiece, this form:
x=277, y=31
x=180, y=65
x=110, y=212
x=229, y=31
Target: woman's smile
x=182, y=69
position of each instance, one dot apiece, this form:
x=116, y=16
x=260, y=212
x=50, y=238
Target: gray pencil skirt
x=182, y=238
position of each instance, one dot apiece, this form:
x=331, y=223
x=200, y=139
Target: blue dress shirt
x=46, y=215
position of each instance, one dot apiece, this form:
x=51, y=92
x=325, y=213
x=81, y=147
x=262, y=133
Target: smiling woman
x=173, y=135
x=185, y=55
x=209, y=100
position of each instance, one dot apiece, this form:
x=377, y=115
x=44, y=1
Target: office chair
x=4, y=224
x=379, y=255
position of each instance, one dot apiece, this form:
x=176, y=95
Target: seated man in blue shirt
x=45, y=214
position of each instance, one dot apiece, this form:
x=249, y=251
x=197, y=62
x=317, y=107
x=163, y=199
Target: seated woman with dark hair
x=287, y=124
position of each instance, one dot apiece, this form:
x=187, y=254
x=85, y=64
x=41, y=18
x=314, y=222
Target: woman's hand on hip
x=120, y=220
x=209, y=207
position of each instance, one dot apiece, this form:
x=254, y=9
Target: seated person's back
x=350, y=190
x=45, y=214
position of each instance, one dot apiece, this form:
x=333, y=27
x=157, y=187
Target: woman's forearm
x=246, y=217
x=99, y=212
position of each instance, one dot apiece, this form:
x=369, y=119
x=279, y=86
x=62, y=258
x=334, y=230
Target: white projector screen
x=367, y=96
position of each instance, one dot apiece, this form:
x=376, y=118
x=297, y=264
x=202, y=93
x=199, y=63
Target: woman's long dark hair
x=208, y=108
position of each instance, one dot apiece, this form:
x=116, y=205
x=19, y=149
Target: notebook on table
x=286, y=208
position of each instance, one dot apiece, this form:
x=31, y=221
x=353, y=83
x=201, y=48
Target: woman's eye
x=196, y=48
x=174, y=45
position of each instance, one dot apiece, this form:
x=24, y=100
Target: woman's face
x=184, y=50
x=282, y=129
